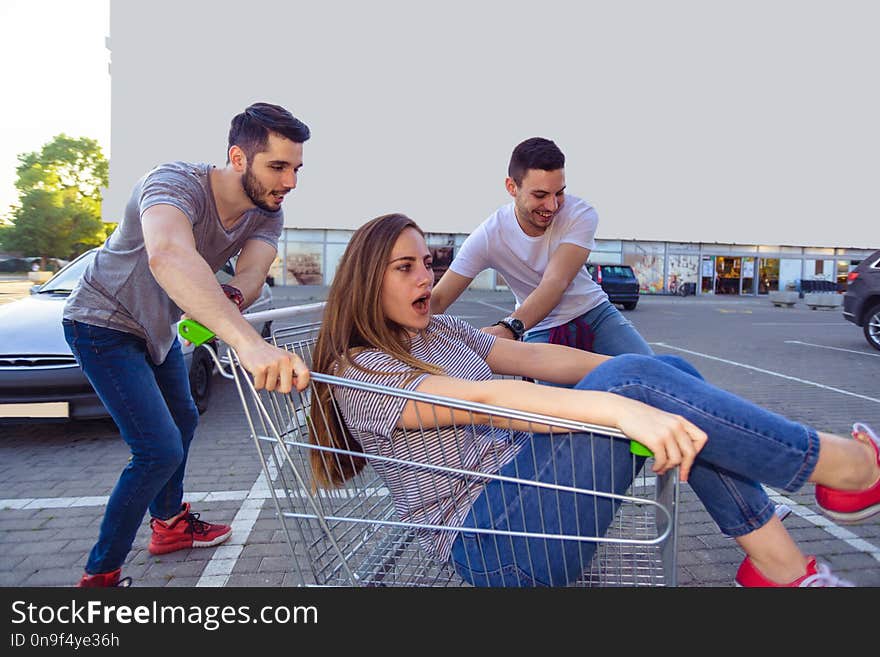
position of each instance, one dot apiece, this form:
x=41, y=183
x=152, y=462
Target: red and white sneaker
x=103, y=580
x=817, y=575
x=852, y=506
x=185, y=531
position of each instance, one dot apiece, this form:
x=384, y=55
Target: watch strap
x=234, y=294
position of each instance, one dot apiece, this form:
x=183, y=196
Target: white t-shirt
x=499, y=243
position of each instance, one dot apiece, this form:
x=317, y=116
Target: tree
x=59, y=191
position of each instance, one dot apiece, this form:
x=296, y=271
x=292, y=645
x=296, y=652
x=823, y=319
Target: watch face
x=517, y=325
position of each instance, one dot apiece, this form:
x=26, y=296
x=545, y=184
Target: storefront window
x=441, y=258
x=683, y=274
x=707, y=275
x=646, y=259
x=727, y=275
x=748, y=276
x=305, y=261
x=768, y=275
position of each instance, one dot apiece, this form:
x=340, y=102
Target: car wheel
x=872, y=327
x=629, y=305
x=267, y=330
x=200, y=378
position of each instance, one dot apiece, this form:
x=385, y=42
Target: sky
x=54, y=76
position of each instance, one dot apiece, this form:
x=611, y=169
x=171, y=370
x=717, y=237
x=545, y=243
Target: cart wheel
x=200, y=378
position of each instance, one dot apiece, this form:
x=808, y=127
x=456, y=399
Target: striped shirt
x=420, y=495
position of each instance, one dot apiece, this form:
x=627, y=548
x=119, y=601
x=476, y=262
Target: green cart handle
x=635, y=447
x=190, y=329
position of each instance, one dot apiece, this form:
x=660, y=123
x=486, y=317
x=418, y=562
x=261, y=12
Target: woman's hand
x=674, y=440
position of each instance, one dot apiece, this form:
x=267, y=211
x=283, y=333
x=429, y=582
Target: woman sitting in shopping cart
x=378, y=329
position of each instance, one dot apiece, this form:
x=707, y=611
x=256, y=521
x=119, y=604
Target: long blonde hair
x=353, y=321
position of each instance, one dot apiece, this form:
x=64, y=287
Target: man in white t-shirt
x=539, y=244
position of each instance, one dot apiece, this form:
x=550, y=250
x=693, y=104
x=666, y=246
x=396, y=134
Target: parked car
x=861, y=301
x=39, y=376
x=618, y=281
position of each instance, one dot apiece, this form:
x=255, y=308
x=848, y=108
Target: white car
x=39, y=376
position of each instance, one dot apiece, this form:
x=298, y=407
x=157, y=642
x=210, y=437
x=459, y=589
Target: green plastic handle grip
x=638, y=449
x=190, y=329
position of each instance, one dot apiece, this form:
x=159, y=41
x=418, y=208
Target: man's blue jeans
x=613, y=333
x=155, y=413
x=747, y=446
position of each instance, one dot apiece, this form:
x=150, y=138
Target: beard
x=255, y=191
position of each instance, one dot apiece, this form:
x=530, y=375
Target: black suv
x=618, y=281
x=861, y=303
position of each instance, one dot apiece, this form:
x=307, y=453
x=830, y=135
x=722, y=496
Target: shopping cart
x=351, y=536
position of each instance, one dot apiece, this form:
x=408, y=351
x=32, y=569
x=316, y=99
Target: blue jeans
x=156, y=416
x=613, y=333
x=747, y=446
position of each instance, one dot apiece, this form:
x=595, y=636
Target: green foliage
x=59, y=210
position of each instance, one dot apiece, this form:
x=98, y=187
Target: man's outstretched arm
x=182, y=272
x=561, y=270
x=445, y=292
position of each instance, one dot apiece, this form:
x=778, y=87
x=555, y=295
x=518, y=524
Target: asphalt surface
x=810, y=365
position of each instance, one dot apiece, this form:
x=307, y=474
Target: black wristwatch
x=513, y=325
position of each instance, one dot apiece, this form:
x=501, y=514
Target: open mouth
x=423, y=304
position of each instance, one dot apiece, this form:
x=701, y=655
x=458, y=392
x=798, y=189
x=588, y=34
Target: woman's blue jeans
x=747, y=446
x=155, y=413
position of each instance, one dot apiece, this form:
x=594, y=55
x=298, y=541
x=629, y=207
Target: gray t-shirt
x=118, y=291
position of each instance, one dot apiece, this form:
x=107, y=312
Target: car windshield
x=66, y=279
x=617, y=271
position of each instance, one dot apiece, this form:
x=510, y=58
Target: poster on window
x=708, y=268
x=304, y=263
x=648, y=268
x=682, y=271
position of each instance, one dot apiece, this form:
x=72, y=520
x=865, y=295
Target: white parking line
x=826, y=524
x=492, y=305
x=823, y=346
x=770, y=372
x=805, y=512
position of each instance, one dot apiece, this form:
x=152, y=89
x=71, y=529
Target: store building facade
x=310, y=257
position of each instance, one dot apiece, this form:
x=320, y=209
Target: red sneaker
x=852, y=506
x=185, y=531
x=818, y=575
x=102, y=580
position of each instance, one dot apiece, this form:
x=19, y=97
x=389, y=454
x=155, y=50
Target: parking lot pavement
x=813, y=366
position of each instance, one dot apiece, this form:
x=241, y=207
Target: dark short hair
x=534, y=153
x=250, y=129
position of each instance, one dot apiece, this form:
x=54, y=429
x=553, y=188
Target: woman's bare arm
x=541, y=361
x=674, y=440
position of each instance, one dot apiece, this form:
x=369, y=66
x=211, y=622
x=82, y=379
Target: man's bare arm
x=445, y=292
x=561, y=270
x=189, y=281
x=252, y=267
